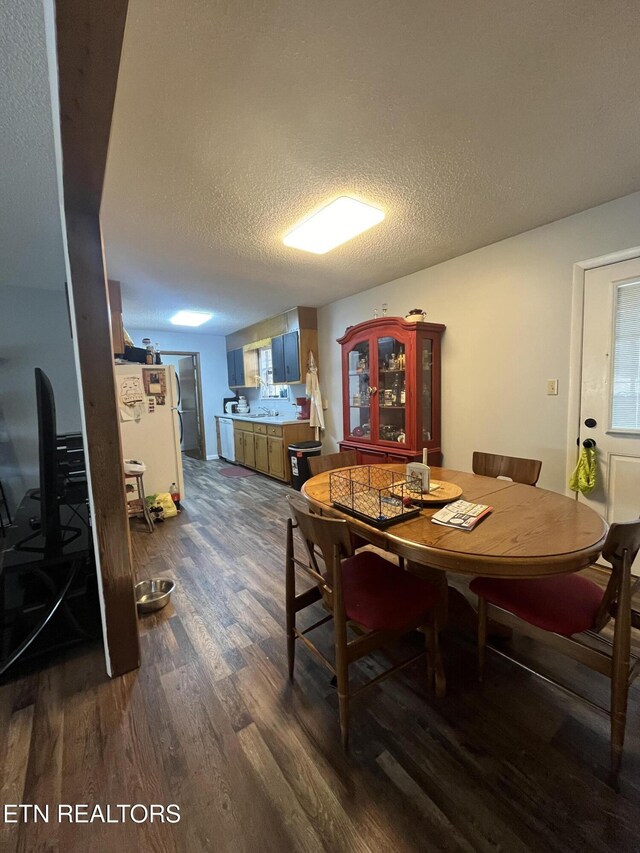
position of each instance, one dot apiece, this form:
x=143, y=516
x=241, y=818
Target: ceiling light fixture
x=336, y=223
x=190, y=318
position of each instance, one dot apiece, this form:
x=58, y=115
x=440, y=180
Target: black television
x=50, y=527
x=50, y=536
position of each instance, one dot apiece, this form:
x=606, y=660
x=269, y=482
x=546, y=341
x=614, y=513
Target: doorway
x=190, y=410
x=610, y=387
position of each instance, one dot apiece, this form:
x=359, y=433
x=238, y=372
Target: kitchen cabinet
x=264, y=446
x=238, y=441
x=235, y=368
x=391, y=390
x=262, y=453
x=249, y=450
x=285, y=358
x=276, y=457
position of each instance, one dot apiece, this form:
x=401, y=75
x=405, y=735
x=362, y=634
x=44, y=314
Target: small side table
x=138, y=506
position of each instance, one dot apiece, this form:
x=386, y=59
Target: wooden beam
x=89, y=43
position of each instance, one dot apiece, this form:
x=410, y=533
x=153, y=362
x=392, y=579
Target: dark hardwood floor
x=211, y=722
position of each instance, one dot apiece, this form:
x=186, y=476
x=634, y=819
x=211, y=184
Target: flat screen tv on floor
x=50, y=536
x=50, y=526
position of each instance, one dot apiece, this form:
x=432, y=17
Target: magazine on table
x=461, y=515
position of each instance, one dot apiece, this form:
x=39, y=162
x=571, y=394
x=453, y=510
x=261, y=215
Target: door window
x=625, y=393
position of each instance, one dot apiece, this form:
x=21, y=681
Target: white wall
x=34, y=326
x=507, y=309
x=213, y=363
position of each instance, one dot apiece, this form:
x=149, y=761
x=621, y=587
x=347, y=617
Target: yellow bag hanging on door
x=585, y=476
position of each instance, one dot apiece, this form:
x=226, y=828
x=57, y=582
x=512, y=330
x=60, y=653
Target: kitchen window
x=269, y=390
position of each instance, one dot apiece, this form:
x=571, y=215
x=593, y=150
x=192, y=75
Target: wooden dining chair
x=519, y=470
x=558, y=609
x=364, y=591
x=320, y=464
x=345, y=459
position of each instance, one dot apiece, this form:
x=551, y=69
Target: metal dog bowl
x=153, y=594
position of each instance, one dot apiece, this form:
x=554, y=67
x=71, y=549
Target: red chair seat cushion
x=381, y=596
x=564, y=604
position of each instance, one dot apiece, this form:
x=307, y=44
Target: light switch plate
x=552, y=387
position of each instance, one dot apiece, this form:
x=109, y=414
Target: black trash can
x=299, y=454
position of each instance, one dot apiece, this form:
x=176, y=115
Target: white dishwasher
x=227, y=445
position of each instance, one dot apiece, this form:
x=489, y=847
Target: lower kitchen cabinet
x=262, y=453
x=276, y=457
x=238, y=440
x=249, y=450
x=265, y=447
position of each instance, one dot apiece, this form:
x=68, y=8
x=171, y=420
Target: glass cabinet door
x=427, y=389
x=359, y=402
x=391, y=396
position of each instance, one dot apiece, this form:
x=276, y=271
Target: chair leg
x=290, y=600
x=291, y=648
x=619, y=691
x=620, y=672
x=434, y=658
x=342, y=677
x=482, y=635
x=343, y=708
x=428, y=641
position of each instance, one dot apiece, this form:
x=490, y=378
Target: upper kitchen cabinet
x=391, y=390
x=235, y=368
x=285, y=358
x=291, y=336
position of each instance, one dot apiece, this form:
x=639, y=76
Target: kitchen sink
x=257, y=415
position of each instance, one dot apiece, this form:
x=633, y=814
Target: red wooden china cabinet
x=391, y=390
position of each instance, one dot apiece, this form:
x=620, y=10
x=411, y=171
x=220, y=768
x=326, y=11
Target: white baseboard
x=211, y=458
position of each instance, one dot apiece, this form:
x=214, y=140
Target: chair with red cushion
x=363, y=591
x=331, y=462
x=558, y=609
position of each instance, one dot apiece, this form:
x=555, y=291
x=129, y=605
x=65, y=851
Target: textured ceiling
x=31, y=247
x=466, y=122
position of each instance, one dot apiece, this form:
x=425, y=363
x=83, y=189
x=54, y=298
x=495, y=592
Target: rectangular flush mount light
x=334, y=224
x=190, y=318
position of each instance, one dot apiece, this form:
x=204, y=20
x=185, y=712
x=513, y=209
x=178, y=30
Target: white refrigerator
x=148, y=399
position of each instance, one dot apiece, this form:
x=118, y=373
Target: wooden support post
x=89, y=43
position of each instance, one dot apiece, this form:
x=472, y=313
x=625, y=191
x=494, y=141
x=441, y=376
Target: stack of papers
x=461, y=514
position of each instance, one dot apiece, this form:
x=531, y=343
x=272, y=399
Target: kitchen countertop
x=279, y=420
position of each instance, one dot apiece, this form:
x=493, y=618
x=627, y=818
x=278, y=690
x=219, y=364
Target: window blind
x=625, y=402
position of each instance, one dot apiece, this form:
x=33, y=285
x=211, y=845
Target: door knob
x=372, y=391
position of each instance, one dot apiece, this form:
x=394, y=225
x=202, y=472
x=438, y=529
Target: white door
x=610, y=401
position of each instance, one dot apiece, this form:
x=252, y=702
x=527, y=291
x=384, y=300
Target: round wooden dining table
x=530, y=533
